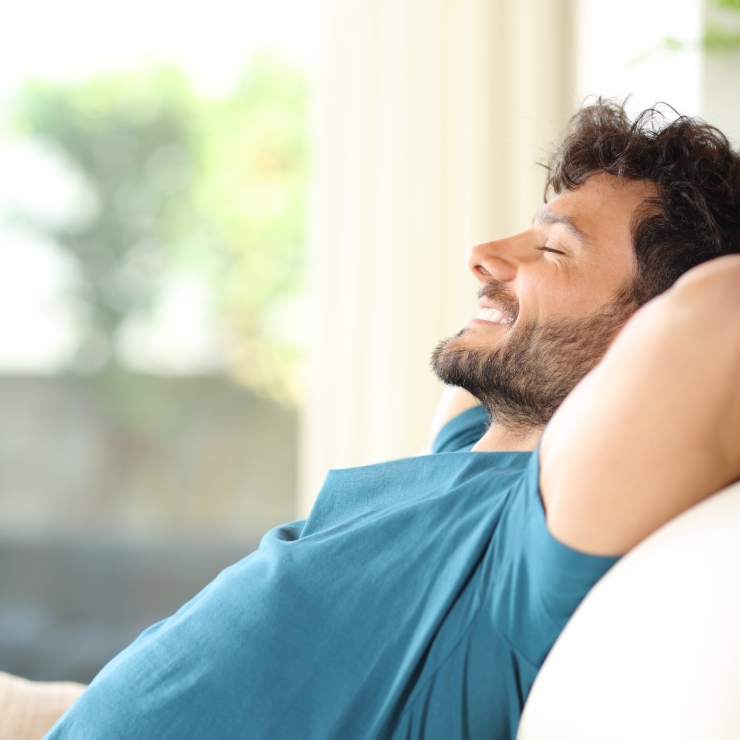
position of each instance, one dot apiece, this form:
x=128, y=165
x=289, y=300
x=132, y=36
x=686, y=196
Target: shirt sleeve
x=461, y=432
x=540, y=581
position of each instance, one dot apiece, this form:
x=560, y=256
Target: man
x=421, y=596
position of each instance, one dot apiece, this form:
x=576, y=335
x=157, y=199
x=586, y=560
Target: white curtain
x=430, y=118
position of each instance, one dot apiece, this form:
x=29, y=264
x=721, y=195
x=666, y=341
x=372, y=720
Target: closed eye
x=549, y=249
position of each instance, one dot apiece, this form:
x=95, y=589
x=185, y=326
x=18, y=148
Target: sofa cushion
x=28, y=709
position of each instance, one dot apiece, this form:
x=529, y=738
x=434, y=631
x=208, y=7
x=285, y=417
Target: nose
x=499, y=259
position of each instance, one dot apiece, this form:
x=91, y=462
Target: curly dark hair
x=696, y=214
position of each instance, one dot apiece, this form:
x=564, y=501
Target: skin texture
x=652, y=429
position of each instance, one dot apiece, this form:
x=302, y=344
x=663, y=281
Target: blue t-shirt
x=418, y=600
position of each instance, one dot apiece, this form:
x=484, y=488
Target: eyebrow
x=545, y=216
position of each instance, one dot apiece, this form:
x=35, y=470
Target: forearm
x=654, y=428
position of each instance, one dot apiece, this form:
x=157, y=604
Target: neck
x=502, y=438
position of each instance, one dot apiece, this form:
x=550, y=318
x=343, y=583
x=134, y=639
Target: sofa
x=654, y=649
x=28, y=709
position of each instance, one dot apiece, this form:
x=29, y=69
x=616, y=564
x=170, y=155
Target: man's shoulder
x=461, y=432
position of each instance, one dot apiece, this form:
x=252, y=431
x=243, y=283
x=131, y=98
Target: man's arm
x=453, y=402
x=655, y=427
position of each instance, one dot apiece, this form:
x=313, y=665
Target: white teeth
x=494, y=316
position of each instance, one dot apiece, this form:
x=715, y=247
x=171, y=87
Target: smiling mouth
x=494, y=316
x=497, y=304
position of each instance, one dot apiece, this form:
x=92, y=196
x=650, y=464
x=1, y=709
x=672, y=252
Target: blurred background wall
x=230, y=236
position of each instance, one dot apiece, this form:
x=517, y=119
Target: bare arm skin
x=453, y=402
x=655, y=427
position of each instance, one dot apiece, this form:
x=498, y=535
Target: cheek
x=571, y=295
x=616, y=273
x=557, y=295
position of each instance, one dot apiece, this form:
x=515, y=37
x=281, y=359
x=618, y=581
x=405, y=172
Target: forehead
x=602, y=207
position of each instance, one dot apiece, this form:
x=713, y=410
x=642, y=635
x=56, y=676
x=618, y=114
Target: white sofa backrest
x=654, y=650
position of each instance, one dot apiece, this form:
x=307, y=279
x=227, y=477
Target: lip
x=476, y=320
x=485, y=303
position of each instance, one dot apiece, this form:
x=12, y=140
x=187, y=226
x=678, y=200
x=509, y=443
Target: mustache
x=497, y=292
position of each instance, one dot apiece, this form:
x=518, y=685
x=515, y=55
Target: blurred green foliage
x=718, y=40
x=722, y=32
x=729, y=4
x=178, y=180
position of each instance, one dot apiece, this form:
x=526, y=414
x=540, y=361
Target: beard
x=523, y=380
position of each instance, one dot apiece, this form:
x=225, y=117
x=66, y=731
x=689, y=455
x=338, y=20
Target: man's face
x=552, y=298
